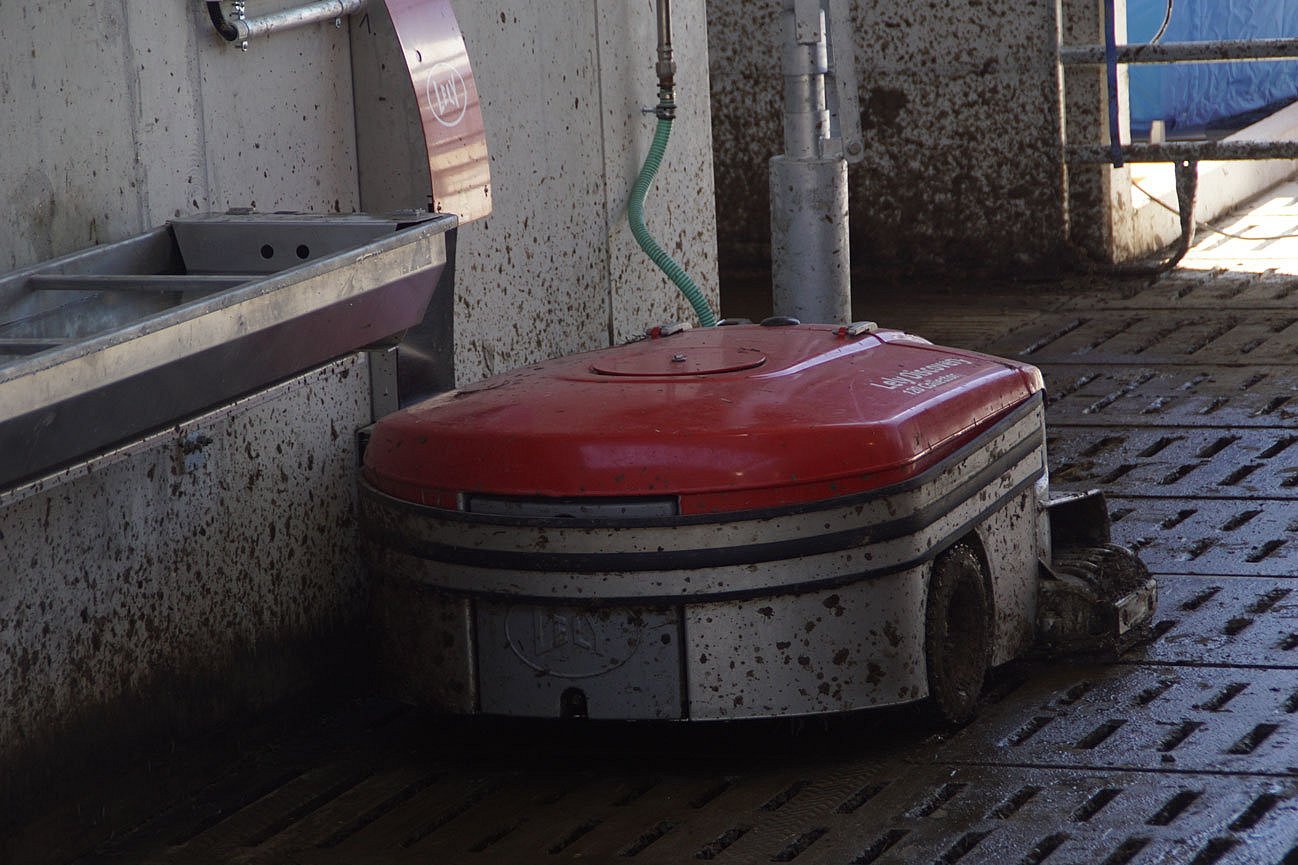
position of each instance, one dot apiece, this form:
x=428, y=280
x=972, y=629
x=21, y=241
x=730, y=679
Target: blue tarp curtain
x=1192, y=97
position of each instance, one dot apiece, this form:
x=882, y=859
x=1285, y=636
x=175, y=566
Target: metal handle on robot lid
x=858, y=329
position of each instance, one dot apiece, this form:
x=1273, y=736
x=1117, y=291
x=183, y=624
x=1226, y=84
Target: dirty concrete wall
x=157, y=573
x=960, y=107
x=1101, y=219
x=118, y=114
x=133, y=585
x=554, y=269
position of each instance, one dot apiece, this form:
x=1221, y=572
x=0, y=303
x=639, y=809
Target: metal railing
x=1110, y=55
x=1220, y=51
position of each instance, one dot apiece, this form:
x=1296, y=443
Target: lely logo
x=446, y=95
x=570, y=644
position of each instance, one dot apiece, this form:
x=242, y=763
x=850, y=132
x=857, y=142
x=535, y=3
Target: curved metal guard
x=449, y=110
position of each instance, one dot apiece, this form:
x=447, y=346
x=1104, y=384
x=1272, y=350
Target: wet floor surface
x=1178, y=396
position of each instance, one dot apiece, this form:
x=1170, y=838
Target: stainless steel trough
x=110, y=342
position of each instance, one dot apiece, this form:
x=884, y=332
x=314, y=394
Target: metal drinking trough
x=107, y=343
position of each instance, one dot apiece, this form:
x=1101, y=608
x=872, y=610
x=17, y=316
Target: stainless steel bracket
x=843, y=97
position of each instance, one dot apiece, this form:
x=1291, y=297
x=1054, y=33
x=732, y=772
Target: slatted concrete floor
x=1179, y=397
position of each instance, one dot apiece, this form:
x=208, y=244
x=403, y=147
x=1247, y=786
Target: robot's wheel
x=957, y=641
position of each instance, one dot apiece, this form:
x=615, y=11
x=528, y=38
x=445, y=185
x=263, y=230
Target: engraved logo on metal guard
x=571, y=643
x=447, y=96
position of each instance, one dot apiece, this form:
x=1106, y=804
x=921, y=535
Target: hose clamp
x=666, y=108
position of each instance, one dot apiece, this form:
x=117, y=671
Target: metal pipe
x=810, y=266
x=286, y=19
x=810, y=257
x=1217, y=51
x=804, y=62
x=1185, y=151
x=666, y=67
x=240, y=29
x=220, y=22
x=1111, y=82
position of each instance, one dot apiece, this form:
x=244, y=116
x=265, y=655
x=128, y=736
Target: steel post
x=805, y=61
x=810, y=265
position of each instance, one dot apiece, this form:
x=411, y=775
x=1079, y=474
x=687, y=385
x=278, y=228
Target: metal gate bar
x=1218, y=51
x=1215, y=51
x=1185, y=151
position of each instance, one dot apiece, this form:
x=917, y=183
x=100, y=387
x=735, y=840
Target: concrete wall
x=133, y=585
x=1100, y=213
x=118, y=114
x=554, y=268
x=960, y=106
x=129, y=593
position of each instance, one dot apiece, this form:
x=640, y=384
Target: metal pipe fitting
x=220, y=23
x=666, y=64
x=240, y=29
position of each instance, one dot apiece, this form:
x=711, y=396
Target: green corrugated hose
x=635, y=215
